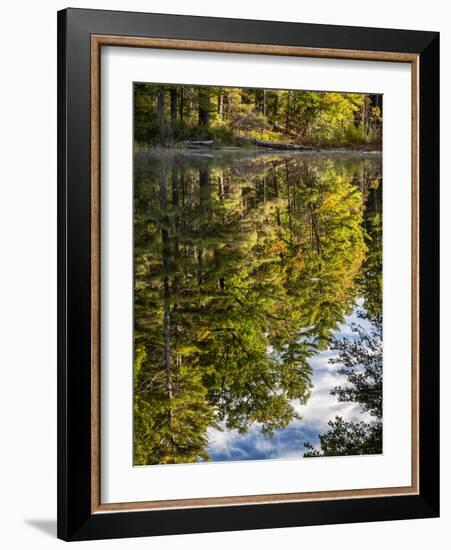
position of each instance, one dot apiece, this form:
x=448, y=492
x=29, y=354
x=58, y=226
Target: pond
x=258, y=280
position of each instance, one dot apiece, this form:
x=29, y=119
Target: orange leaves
x=279, y=247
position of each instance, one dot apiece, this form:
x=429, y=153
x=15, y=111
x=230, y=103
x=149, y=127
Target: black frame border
x=75, y=520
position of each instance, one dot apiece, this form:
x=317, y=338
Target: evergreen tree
x=242, y=272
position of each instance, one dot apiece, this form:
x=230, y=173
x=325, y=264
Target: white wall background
x=28, y=272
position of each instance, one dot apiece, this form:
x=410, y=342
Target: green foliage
x=170, y=431
x=242, y=271
x=321, y=119
x=348, y=438
x=371, y=278
x=360, y=360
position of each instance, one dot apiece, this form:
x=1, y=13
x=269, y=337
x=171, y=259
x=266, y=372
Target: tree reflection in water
x=245, y=266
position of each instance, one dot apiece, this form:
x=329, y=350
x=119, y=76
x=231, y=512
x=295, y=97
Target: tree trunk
x=205, y=190
x=289, y=202
x=182, y=103
x=257, y=100
x=220, y=104
x=205, y=207
x=287, y=114
x=274, y=144
x=167, y=338
x=166, y=287
x=221, y=186
x=161, y=108
x=204, y=107
x=173, y=107
x=362, y=116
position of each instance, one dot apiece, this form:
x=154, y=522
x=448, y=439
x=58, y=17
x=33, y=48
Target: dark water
x=246, y=266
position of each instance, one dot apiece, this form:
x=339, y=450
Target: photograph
x=257, y=261
x=248, y=271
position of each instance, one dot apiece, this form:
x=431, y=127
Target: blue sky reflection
x=289, y=442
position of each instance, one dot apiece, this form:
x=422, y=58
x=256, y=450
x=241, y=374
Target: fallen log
x=200, y=143
x=280, y=145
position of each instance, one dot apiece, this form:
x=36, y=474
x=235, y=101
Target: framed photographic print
x=248, y=274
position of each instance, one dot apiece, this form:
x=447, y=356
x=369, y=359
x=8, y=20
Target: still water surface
x=246, y=266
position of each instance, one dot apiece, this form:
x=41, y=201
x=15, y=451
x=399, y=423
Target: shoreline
x=258, y=151
x=262, y=150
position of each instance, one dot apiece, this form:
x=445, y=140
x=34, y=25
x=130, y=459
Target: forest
x=245, y=265
x=196, y=116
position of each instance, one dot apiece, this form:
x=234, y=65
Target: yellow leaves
x=248, y=239
x=140, y=356
x=374, y=183
x=203, y=335
x=298, y=263
x=331, y=200
x=190, y=349
x=279, y=247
